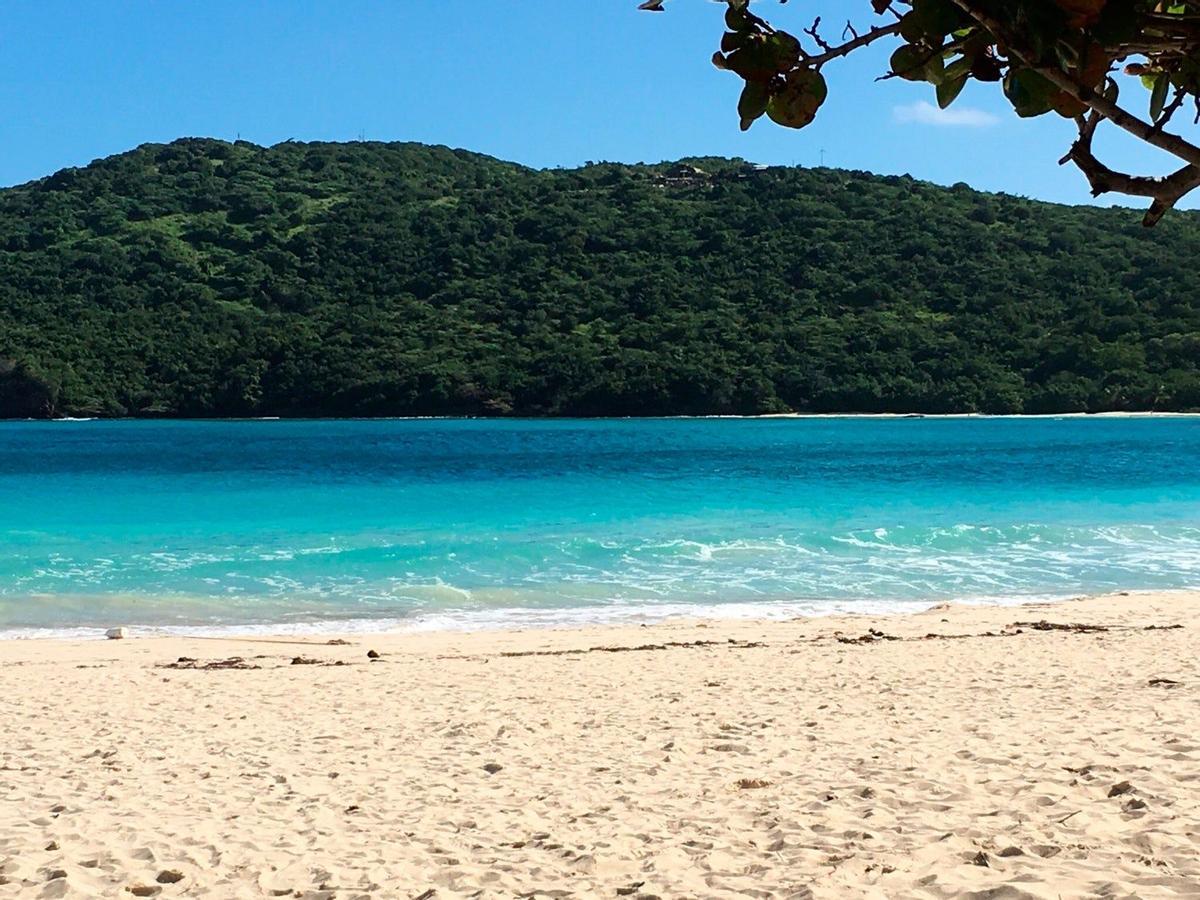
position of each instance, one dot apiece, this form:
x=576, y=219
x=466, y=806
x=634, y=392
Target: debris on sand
x=233, y=662
x=1074, y=627
x=669, y=645
x=872, y=636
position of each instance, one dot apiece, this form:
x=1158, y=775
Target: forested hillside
x=203, y=278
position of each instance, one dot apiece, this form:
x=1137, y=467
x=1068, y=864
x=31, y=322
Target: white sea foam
x=524, y=618
x=501, y=583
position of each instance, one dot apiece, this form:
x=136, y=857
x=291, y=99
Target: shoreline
x=1018, y=751
x=1135, y=414
x=537, y=619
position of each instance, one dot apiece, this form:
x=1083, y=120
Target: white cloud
x=925, y=113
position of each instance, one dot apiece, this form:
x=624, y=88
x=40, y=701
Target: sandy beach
x=942, y=754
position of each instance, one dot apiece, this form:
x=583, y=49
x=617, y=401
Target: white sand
x=884, y=770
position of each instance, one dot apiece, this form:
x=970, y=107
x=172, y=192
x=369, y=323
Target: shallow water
x=443, y=523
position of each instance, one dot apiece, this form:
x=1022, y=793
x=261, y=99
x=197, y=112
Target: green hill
x=203, y=278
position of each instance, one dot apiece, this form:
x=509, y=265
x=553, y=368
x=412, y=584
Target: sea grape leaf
x=1067, y=106
x=753, y=103
x=910, y=62
x=1117, y=24
x=960, y=68
x=985, y=68
x=786, y=48
x=797, y=103
x=1090, y=71
x=733, y=40
x=949, y=90
x=1081, y=13
x=737, y=19
x=910, y=28
x=762, y=57
x=938, y=17
x=1029, y=93
x=1158, y=96
x=753, y=62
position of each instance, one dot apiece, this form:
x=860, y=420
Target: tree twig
x=815, y=61
x=815, y=34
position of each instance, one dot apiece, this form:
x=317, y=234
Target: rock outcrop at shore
x=24, y=395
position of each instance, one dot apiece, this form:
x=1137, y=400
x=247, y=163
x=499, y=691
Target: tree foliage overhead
x=203, y=278
x=1074, y=58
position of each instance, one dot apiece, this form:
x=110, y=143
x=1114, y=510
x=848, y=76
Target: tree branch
x=1165, y=191
x=817, y=60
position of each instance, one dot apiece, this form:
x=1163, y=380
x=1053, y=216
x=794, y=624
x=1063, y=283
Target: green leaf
x=796, y=104
x=1029, y=93
x=753, y=103
x=949, y=90
x=985, y=68
x=935, y=68
x=1118, y=24
x=938, y=18
x=753, y=62
x=1043, y=24
x=736, y=18
x=786, y=49
x=1158, y=95
x=960, y=68
x=762, y=57
x=734, y=40
x=910, y=28
x=1081, y=13
x=910, y=62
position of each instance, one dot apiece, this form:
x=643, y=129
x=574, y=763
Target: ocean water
x=298, y=525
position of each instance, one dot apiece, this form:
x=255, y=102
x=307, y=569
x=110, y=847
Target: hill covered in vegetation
x=203, y=278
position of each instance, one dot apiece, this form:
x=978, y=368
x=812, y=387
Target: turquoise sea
x=280, y=525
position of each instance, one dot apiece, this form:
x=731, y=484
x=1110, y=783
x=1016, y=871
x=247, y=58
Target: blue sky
x=543, y=82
